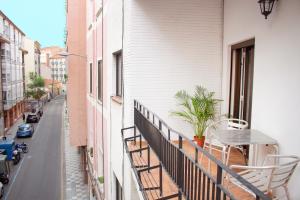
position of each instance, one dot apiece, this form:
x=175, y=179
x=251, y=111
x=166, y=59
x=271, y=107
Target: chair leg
x=286, y=192
x=224, y=150
x=227, y=156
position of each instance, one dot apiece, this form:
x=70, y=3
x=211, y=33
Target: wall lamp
x=266, y=7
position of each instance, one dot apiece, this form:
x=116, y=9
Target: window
x=4, y=95
x=119, y=74
x=100, y=81
x=91, y=78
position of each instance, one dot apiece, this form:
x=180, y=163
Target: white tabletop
x=242, y=137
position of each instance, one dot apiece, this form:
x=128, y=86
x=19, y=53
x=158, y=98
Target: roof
x=6, y=18
x=51, y=47
x=24, y=126
x=56, y=56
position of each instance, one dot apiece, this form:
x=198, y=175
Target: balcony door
x=241, y=80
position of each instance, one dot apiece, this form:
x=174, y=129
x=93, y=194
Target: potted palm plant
x=197, y=109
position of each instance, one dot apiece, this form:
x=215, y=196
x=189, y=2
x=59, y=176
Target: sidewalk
x=11, y=132
x=75, y=188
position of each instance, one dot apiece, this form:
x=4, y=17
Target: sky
x=41, y=20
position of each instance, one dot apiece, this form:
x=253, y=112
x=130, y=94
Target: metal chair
x=213, y=144
x=274, y=174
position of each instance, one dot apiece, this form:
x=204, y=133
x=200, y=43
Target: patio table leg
x=224, y=154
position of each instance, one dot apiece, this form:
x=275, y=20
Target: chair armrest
x=250, y=167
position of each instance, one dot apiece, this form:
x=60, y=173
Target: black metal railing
x=191, y=178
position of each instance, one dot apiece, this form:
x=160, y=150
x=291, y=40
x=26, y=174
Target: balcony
x=4, y=37
x=167, y=165
x=22, y=47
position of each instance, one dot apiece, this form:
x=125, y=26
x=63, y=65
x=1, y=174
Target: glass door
x=241, y=82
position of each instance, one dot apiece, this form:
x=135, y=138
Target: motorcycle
x=4, y=178
x=16, y=156
x=22, y=147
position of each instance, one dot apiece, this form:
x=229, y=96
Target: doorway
x=241, y=80
x=241, y=84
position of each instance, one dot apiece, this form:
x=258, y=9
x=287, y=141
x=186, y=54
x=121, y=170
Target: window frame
x=91, y=78
x=119, y=73
x=100, y=80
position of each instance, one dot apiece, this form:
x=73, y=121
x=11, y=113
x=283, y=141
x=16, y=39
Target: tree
x=35, y=87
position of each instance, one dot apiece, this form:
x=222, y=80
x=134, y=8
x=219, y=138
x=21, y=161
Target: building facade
x=12, y=60
x=48, y=68
x=149, y=50
x=32, y=59
x=76, y=84
x=37, y=57
x=58, y=68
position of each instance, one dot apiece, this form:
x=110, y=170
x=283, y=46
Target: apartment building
x=97, y=103
x=12, y=61
x=58, y=68
x=51, y=69
x=32, y=59
x=76, y=84
x=37, y=57
x=148, y=50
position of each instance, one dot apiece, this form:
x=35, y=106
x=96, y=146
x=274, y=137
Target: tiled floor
x=152, y=179
x=76, y=189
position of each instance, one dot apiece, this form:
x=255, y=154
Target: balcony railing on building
x=4, y=36
x=167, y=164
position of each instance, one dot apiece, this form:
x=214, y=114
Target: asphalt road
x=38, y=176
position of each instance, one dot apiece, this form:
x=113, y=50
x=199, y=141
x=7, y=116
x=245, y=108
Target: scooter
x=16, y=157
x=4, y=178
x=23, y=147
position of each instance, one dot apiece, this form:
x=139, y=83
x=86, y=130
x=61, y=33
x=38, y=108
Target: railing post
x=196, y=155
x=160, y=140
x=134, y=134
x=179, y=163
x=140, y=144
x=219, y=182
x=180, y=142
x=160, y=180
x=179, y=195
x=169, y=134
x=148, y=158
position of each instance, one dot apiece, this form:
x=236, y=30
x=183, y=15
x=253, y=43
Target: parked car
x=1, y=190
x=25, y=130
x=33, y=117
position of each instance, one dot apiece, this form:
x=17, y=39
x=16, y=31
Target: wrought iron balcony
x=167, y=164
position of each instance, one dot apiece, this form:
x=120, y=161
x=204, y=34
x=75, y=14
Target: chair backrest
x=285, y=167
x=236, y=124
x=230, y=124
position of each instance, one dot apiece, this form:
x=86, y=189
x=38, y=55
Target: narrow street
x=39, y=173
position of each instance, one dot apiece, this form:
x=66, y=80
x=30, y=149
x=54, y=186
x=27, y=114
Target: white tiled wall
x=171, y=45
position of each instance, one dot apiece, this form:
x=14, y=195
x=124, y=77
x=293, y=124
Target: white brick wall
x=170, y=45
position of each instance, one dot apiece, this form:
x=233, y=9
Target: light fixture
x=266, y=7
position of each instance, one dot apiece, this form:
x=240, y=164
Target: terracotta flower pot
x=200, y=141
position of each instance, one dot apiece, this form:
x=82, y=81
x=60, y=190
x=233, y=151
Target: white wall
x=29, y=58
x=170, y=45
x=276, y=94
x=113, y=43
